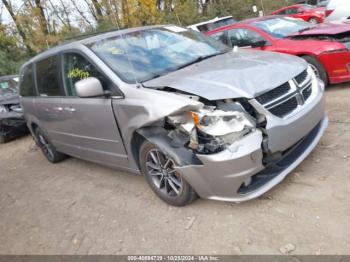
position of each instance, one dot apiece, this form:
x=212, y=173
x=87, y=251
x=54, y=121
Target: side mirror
x=260, y=43
x=89, y=87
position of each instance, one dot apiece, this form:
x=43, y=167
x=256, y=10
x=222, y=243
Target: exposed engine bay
x=213, y=128
x=342, y=38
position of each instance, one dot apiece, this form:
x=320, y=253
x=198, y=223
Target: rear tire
x=47, y=148
x=160, y=175
x=317, y=67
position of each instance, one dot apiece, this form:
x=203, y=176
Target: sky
x=6, y=18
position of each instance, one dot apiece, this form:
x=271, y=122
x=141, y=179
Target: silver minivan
x=195, y=117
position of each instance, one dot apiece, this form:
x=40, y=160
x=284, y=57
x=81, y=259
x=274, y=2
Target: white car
x=338, y=10
x=212, y=24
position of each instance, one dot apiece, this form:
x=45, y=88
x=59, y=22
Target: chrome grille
x=285, y=108
x=285, y=99
x=301, y=77
x=274, y=93
x=307, y=92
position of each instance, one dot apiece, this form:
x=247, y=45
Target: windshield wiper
x=199, y=59
x=306, y=28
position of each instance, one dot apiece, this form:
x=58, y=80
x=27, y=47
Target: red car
x=325, y=47
x=308, y=13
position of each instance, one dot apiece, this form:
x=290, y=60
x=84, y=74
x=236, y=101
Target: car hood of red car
x=327, y=29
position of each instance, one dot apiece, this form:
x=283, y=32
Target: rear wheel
x=47, y=148
x=317, y=67
x=164, y=180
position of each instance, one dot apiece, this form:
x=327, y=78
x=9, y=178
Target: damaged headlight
x=211, y=130
x=17, y=109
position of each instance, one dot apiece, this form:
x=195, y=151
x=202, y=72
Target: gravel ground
x=77, y=207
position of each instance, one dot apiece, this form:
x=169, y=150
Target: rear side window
x=283, y=12
x=47, y=77
x=292, y=11
x=27, y=87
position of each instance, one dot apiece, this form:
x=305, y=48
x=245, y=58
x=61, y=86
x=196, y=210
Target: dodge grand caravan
x=193, y=116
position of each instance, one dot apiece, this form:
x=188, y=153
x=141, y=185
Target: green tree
x=11, y=55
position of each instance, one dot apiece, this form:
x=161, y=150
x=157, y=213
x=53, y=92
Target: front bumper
x=12, y=124
x=238, y=174
x=222, y=176
x=337, y=66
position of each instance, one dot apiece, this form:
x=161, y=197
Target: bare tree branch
x=81, y=13
x=20, y=30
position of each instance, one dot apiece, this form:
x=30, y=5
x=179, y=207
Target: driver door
x=88, y=129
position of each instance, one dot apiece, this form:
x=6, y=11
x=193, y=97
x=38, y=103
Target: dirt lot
x=77, y=207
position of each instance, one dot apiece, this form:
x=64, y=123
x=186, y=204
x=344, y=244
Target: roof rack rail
x=90, y=34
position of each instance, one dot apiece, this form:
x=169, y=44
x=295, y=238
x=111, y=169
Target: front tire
x=47, y=148
x=317, y=67
x=160, y=174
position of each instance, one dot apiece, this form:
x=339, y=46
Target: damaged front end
x=12, y=122
x=211, y=129
x=234, y=150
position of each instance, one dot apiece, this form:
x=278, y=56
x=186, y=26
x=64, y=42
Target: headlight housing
x=17, y=109
x=211, y=130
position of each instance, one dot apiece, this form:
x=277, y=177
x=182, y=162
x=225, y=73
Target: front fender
x=158, y=136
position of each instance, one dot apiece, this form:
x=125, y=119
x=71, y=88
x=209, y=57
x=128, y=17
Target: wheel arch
x=158, y=136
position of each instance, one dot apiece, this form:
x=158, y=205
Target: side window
x=292, y=11
x=220, y=37
x=283, y=12
x=75, y=68
x=47, y=77
x=27, y=87
x=243, y=37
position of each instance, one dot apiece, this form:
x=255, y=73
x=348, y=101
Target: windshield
x=142, y=55
x=8, y=87
x=308, y=7
x=282, y=27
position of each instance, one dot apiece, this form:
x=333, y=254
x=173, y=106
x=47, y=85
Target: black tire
x=317, y=67
x=47, y=148
x=185, y=195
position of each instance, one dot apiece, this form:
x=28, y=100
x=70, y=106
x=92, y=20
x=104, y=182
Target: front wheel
x=317, y=67
x=164, y=180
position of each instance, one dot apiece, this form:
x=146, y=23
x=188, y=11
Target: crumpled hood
x=246, y=73
x=334, y=28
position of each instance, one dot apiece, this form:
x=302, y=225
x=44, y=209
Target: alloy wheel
x=45, y=146
x=163, y=174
